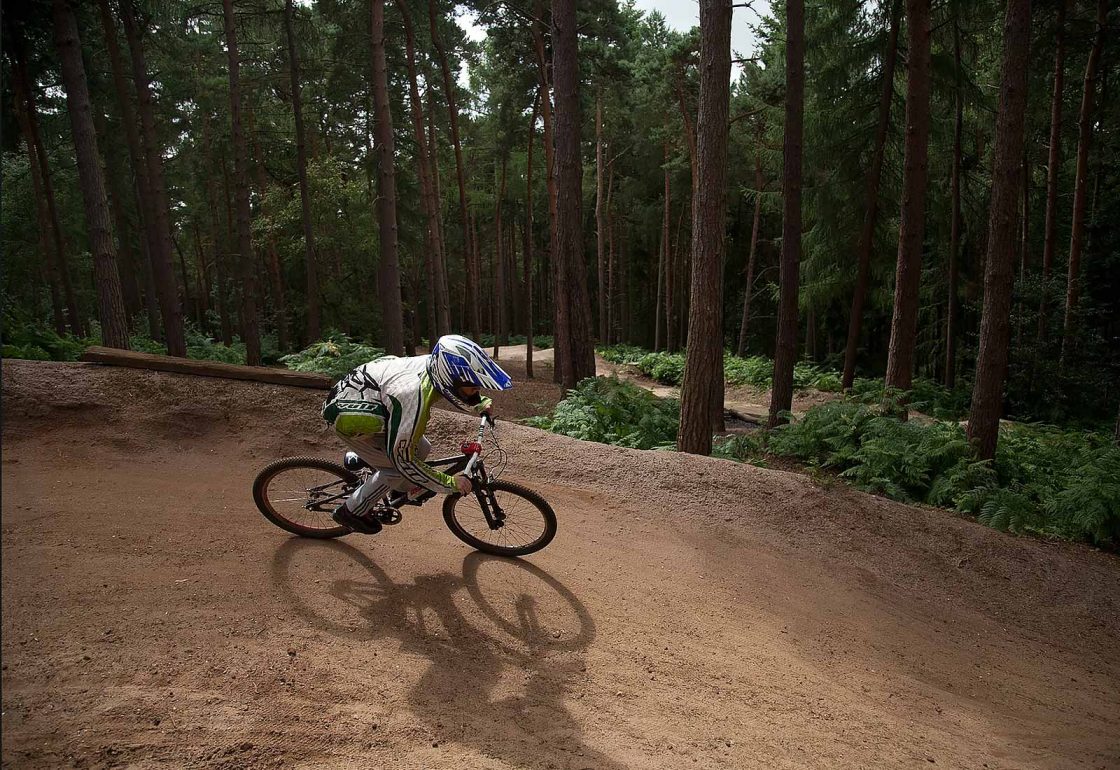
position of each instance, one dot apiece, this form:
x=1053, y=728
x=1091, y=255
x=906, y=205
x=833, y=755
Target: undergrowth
x=613, y=411
x=334, y=356
x=1044, y=480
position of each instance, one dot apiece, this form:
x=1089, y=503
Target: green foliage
x=753, y=370
x=666, y=368
x=334, y=356
x=622, y=354
x=199, y=346
x=1044, y=480
x=925, y=396
x=757, y=371
x=25, y=337
x=612, y=411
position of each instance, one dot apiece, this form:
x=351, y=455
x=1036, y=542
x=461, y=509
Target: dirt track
x=690, y=613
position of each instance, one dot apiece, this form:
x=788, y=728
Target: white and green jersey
x=393, y=396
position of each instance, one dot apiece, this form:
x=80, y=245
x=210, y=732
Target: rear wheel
x=298, y=494
x=526, y=522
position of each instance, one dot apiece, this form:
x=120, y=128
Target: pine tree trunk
x=674, y=268
x=437, y=205
x=749, y=283
x=159, y=211
x=110, y=306
x=437, y=283
x=1053, y=167
x=250, y=330
x=140, y=188
x=126, y=264
x=24, y=108
x=550, y=180
x=626, y=329
x=664, y=297
x=53, y=242
x=575, y=345
x=702, y=388
x=314, y=304
x=203, y=277
x=215, y=227
x=272, y=263
x=955, y=221
x=501, y=310
x=610, y=313
x=600, y=217
x=658, y=318
x=527, y=236
x=995, y=321
x=1084, y=139
x=388, y=272
x=785, y=348
x=904, y=320
x=472, y=310
x=871, y=201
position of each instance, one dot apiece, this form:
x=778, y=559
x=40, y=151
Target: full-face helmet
x=456, y=362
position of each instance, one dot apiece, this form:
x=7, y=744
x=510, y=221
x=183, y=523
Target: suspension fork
x=487, y=500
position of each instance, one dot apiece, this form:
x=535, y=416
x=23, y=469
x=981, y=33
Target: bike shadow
x=505, y=639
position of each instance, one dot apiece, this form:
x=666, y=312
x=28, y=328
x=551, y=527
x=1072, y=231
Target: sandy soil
x=690, y=613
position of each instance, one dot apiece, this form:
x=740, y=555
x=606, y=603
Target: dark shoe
x=343, y=516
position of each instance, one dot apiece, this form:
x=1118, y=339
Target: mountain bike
x=298, y=494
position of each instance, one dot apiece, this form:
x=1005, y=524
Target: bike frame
x=468, y=463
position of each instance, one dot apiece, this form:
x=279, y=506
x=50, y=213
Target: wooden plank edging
x=114, y=357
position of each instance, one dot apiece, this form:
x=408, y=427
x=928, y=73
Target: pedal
x=389, y=516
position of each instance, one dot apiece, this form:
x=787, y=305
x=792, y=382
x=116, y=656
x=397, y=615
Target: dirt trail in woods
x=690, y=613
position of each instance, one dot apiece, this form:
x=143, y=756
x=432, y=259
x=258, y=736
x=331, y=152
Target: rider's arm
x=407, y=421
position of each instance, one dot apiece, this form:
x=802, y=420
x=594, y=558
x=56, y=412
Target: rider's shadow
x=500, y=678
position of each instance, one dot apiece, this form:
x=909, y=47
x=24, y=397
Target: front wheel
x=299, y=494
x=523, y=522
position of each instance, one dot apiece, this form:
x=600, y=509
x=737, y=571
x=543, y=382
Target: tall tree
x=140, y=191
x=50, y=233
x=314, y=306
x=472, y=314
x=702, y=388
x=664, y=294
x=110, y=305
x=428, y=198
x=573, y=334
x=1053, y=164
x=388, y=273
x=527, y=237
x=915, y=171
x=955, y=218
x=1080, y=184
x=600, y=217
x=995, y=321
x=159, y=211
x=785, y=352
x=551, y=190
x=250, y=329
x=871, y=199
x=748, y=279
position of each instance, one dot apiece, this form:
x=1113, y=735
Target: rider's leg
x=364, y=433
x=372, y=450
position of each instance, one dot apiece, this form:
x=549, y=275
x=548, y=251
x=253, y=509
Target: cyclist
x=380, y=411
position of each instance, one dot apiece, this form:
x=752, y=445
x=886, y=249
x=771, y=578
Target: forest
x=910, y=203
